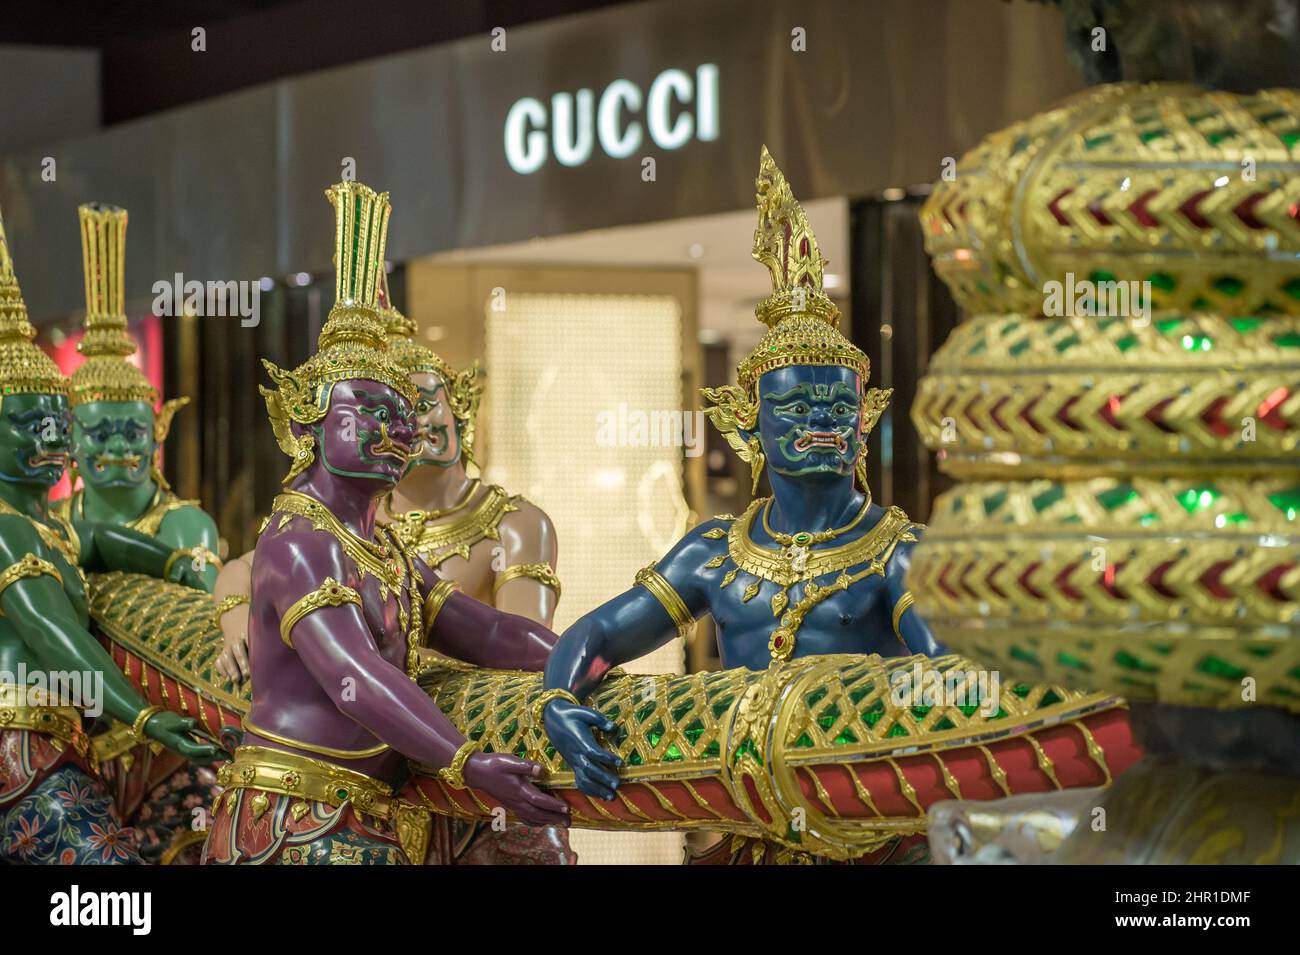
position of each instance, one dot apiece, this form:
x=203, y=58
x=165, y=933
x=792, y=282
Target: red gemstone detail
x=1109, y=411
x=1156, y=579
x=778, y=641
x=1211, y=582
x=1267, y=411
x=1245, y=210
x=1062, y=582
x=1139, y=210
x=1024, y=414
x=1156, y=412
x=1055, y=210
x=1191, y=213
x=1098, y=213
x=1269, y=583
x=1063, y=414
x=1213, y=418
x=1023, y=580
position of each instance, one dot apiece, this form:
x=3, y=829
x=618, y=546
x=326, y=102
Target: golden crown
x=352, y=345
x=464, y=392
x=800, y=315
x=106, y=374
x=24, y=368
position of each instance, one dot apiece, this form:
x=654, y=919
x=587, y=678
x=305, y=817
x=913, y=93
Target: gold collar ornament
x=24, y=368
x=802, y=322
x=464, y=392
x=107, y=373
x=352, y=345
x=436, y=543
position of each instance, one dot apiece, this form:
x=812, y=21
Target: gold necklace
x=432, y=513
x=436, y=543
x=785, y=568
x=378, y=559
x=802, y=540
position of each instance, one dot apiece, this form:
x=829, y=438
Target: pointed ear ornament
x=874, y=403
x=288, y=402
x=733, y=411
x=162, y=426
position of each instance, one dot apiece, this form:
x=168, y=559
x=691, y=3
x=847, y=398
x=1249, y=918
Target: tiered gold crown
x=106, y=374
x=24, y=368
x=464, y=392
x=800, y=315
x=352, y=345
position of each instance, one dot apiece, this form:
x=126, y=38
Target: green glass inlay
x=1019, y=347
x=1117, y=496
x=858, y=692
x=510, y=729
x=1050, y=698
x=1167, y=325
x=721, y=706
x=1246, y=323
x=1102, y=276
x=1130, y=662
x=993, y=502
x=944, y=724
x=712, y=750
x=804, y=741
x=680, y=711
x=1287, y=501
x=1290, y=137
x=1292, y=288
x=1197, y=342
x=872, y=716
x=1163, y=281
x=1213, y=666
x=898, y=729
x=1164, y=649
x=693, y=731
x=1201, y=304
x=1024, y=656
x=1073, y=662
x=644, y=710
x=1067, y=343
x=747, y=747
x=1229, y=284
x=1098, y=140
x=1021, y=690
x=1287, y=340
x=672, y=754
x=815, y=697
x=1049, y=497
x=846, y=737
x=827, y=717
x=634, y=758
x=1127, y=342
x=1198, y=498
x=1152, y=134
x=1146, y=520
x=1215, y=138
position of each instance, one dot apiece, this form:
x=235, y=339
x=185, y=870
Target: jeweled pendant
x=779, y=601
x=751, y=591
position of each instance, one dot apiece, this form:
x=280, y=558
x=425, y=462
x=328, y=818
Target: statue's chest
x=854, y=607
x=392, y=618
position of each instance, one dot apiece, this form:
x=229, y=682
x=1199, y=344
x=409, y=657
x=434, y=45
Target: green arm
x=190, y=527
x=114, y=547
x=44, y=618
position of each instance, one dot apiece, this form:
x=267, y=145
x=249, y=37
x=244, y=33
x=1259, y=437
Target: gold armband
x=900, y=608
x=539, y=704
x=330, y=593
x=228, y=603
x=29, y=566
x=540, y=572
x=653, y=581
x=435, y=599
x=454, y=775
x=195, y=553
x=137, y=728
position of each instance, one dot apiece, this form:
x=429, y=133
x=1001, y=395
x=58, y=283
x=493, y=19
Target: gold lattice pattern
x=757, y=731
x=1078, y=396
x=169, y=627
x=1122, y=183
x=1174, y=589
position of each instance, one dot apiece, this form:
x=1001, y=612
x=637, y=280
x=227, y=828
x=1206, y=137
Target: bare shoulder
x=295, y=551
x=528, y=531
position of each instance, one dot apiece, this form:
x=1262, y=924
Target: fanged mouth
x=46, y=458
x=432, y=442
x=391, y=449
x=130, y=462
x=828, y=440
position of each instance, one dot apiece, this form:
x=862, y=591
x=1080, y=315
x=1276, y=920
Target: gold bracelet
x=454, y=775
x=900, y=608
x=541, y=572
x=330, y=593
x=539, y=704
x=657, y=584
x=29, y=566
x=137, y=728
x=226, y=604
x=436, y=598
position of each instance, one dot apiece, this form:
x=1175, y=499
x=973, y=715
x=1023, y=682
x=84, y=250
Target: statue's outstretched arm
x=35, y=603
x=468, y=630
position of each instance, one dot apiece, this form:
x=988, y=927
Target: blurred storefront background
x=573, y=207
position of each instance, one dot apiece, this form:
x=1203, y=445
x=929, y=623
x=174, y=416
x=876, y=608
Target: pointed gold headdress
x=24, y=368
x=802, y=320
x=464, y=393
x=352, y=344
x=106, y=374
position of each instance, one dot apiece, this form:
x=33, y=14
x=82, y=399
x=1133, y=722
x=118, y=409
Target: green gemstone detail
x=1167, y=325
x=872, y=716
x=827, y=717
x=1127, y=342
x=993, y=502
x=1213, y=666
x=898, y=729
x=804, y=741
x=713, y=750
x=1246, y=323
x=1229, y=285
x=845, y=738
x=815, y=697
x=1073, y=662
x=1049, y=497
x=1198, y=498
x=672, y=754
x=944, y=724
x=1287, y=501
x=1288, y=340
x=1129, y=662
x=1050, y=698
x=1024, y=656
x=1163, y=281
x=1117, y=496
x=1197, y=342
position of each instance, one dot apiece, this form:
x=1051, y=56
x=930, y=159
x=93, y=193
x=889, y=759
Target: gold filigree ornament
x=1131, y=517
x=802, y=322
x=352, y=345
x=24, y=368
x=464, y=391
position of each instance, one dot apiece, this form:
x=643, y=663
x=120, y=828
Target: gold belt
x=63, y=723
x=273, y=770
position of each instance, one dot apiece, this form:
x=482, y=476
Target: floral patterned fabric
x=54, y=810
x=252, y=827
x=461, y=842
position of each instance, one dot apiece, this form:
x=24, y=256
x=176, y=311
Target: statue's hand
x=190, y=577
x=569, y=728
x=508, y=778
x=173, y=732
x=232, y=662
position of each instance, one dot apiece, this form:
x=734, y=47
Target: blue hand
x=569, y=728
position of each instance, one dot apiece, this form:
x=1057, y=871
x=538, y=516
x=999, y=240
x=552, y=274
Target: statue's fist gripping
x=509, y=779
x=569, y=727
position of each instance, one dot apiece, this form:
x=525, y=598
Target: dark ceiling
x=147, y=63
